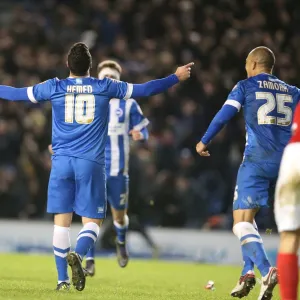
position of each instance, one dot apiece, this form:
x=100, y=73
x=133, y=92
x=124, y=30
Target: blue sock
x=86, y=238
x=61, y=247
x=252, y=246
x=91, y=254
x=121, y=230
x=248, y=263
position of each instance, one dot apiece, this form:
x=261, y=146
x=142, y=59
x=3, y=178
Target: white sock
x=61, y=248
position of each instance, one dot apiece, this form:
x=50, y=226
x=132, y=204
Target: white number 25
x=84, y=107
x=270, y=105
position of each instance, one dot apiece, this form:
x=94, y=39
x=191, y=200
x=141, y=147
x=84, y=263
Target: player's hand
x=50, y=149
x=201, y=149
x=136, y=135
x=183, y=73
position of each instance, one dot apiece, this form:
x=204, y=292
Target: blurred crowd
x=170, y=185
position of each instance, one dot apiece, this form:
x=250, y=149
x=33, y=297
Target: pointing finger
x=189, y=65
x=205, y=153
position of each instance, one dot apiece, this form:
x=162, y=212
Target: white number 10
x=270, y=105
x=84, y=107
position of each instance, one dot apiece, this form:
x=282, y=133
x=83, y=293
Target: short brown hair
x=109, y=64
x=79, y=59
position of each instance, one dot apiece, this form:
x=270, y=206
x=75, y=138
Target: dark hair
x=79, y=59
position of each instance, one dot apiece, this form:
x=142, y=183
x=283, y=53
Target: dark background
x=170, y=185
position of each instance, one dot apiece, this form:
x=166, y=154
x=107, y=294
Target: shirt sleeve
x=224, y=115
x=42, y=91
x=13, y=94
x=116, y=89
x=145, y=133
x=122, y=90
x=236, y=97
x=137, y=118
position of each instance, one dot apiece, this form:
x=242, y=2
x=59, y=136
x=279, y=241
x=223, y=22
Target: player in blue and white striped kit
x=268, y=105
x=77, y=181
x=126, y=120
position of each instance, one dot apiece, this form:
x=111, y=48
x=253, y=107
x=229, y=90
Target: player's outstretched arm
x=123, y=90
x=232, y=105
x=13, y=94
x=35, y=94
x=157, y=86
x=219, y=121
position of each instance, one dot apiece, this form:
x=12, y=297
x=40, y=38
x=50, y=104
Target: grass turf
x=34, y=277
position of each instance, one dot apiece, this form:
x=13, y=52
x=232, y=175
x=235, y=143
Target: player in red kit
x=287, y=212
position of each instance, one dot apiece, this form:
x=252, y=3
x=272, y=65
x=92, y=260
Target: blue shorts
x=117, y=191
x=255, y=185
x=77, y=185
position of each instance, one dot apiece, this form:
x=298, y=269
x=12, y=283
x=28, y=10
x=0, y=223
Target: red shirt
x=296, y=126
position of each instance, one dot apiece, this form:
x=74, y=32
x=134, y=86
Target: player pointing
x=77, y=182
x=268, y=104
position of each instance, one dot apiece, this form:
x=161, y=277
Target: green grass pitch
x=34, y=277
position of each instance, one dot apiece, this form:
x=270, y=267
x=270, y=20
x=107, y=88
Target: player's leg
x=90, y=204
x=287, y=212
x=117, y=189
x=250, y=195
x=248, y=263
x=117, y=194
x=60, y=202
x=121, y=222
x=61, y=248
x=90, y=266
x=287, y=262
x=138, y=226
x=243, y=226
x=87, y=235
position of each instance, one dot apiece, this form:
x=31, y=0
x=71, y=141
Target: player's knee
x=90, y=220
x=63, y=220
x=122, y=220
x=243, y=228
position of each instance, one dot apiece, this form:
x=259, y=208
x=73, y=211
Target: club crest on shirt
x=119, y=112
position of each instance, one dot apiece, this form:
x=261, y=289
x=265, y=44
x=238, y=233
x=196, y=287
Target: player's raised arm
x=39, y=92
x=13, y=94
x=231, y=106
x=123, y=90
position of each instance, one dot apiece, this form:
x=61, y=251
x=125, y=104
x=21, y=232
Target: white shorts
x=287, y=194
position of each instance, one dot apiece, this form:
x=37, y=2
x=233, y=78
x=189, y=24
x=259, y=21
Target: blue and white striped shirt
x=124, y=115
